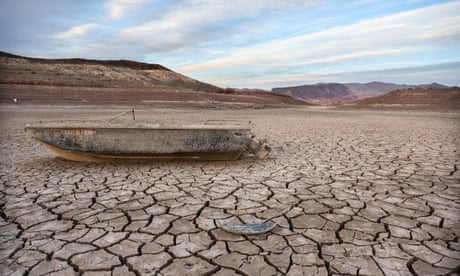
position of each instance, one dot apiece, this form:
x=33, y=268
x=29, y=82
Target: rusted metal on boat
x=96, y=141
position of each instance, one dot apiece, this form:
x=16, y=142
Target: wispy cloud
x=77, y=31
x=406, y=32
x=118, y=8
x=195, y=21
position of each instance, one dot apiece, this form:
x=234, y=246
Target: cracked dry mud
x=354, y=193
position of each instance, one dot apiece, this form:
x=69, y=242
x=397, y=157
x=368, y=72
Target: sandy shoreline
x=368, y=192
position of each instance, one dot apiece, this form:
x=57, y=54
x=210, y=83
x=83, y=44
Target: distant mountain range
x=338, y=93
x=321, y=93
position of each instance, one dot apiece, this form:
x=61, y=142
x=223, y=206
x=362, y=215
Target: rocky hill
x=322, y=93
x=418, y=98
x=94, y=73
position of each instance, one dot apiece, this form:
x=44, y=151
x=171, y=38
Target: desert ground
x=354, y=192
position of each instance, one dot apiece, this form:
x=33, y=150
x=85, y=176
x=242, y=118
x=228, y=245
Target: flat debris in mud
x=249, y=229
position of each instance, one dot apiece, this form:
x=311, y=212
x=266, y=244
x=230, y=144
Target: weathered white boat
x=96, y=141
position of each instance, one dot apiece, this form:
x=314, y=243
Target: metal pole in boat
x=134, y=117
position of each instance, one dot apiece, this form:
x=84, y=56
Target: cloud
x=118, y=8
x=197, y=21
x=77, y=31
x=402, y=33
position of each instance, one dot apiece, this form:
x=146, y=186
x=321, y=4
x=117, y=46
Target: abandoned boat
x=96, y=141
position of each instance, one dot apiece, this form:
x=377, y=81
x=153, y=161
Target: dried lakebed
x=352, y=192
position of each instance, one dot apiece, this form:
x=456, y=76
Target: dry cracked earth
x=353, y=193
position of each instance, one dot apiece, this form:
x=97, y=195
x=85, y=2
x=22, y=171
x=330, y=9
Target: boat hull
x=101, y=144
x=107, y=157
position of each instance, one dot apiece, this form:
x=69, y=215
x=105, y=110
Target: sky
x=248, y=43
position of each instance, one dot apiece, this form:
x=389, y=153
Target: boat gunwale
x=178, y=128
x=139, y=124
